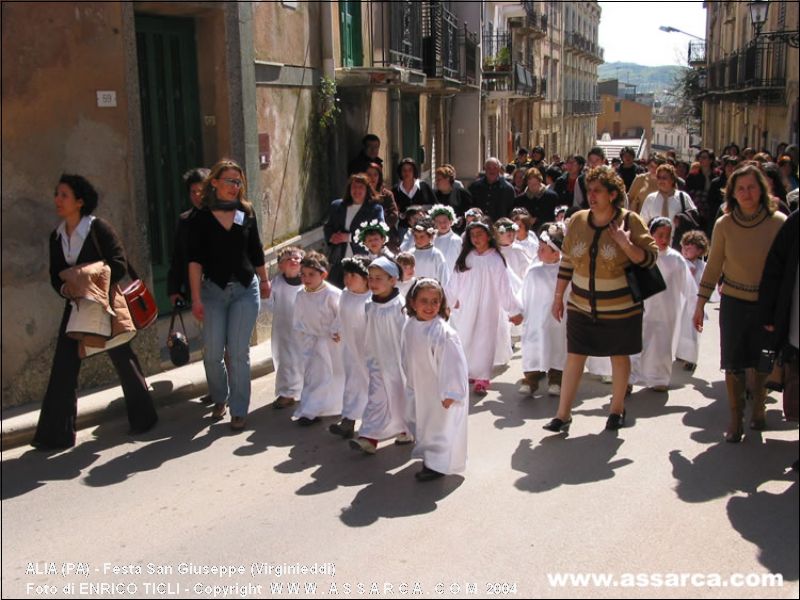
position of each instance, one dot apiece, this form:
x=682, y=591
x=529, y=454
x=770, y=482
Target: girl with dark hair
x=178, y=275
x=386, y=199
x=739, y=247
x=359, y=204
x=410, y=189
x=664, y=314
x=435, y=369
x=480, y=289
x=82, y=238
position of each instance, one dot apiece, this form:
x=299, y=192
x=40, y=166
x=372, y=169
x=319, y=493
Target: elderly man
x=492, y=193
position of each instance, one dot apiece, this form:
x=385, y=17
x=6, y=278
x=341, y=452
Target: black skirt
x=603, y=337
x=741, y=336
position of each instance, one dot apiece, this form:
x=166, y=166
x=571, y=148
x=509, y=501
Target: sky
x=629, y=31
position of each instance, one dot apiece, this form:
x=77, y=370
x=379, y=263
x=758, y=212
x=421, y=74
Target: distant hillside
x=647, y=79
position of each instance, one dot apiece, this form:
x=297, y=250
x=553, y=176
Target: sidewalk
x=95, y=406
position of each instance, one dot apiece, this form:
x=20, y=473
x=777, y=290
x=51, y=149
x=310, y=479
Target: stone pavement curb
x=97, y=406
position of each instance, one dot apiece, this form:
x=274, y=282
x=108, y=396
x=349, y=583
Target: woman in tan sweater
x=645, y=184
x=603, y=319
x=739, y=246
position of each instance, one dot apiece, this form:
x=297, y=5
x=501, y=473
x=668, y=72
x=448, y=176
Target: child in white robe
x=447, y=241
x=352, y=328
x=373, y=235
x=694, y=246
x=412, y=214
x=544, y=340
x=663, y=313
x=480, y=290
x=408, y=265
x=437, y=388
x=518, y=261
x=525, y=238
x=385, y=414
x=315, y=321
x=287, y=354
x=429, y=261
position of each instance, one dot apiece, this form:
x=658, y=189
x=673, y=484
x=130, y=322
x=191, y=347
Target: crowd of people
x=425, y=288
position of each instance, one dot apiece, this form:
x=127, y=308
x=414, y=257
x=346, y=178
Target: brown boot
x=758, y=419
x=735, y=384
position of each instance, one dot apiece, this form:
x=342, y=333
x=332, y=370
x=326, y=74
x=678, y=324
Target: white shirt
x=72, y=244
x=653, y=203
x=352, y=210
x=413, y=191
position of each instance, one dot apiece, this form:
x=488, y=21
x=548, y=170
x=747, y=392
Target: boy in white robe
x=385, y=414
x=412, y=214
x=694, y=246
x=437, y=387
x=480, y=291
x=544, y=340
x=525, y=238
x=429, y=261
x=518, y=262
x=663, y=313
x=316, y=314
x=287, y=354
x=408, y=265
x=373, y=235
x=352, y=327
x=447, y=241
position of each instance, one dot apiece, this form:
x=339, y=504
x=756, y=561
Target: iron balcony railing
x=760, y=66
x=441, y=49
x=581, y=107
x=470, y=49
x=497, y=51
x=697, y=53
x=396, y=31
x=534, y=20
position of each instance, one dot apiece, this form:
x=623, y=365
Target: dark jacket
x=335, y=224
x=495, y=200
x=777, y=281
x=566, y=197
x=361, y=162
x=714, y=201
x=459, y=199
x=178, y=274
x=110, y=250
x=424, y=196
x=542, y=208
x=628, y=175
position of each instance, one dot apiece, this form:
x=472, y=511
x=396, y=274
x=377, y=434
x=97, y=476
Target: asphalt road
x=663, y=507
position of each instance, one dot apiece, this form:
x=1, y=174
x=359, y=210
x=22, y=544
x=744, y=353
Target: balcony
x=697, y=54
x=440, y=33
x=535, y=22
x=581, y=107
x=470, y=54
x=579, y=44
x=757, y=71
x=502, y=76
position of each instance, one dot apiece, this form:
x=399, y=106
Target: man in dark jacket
x=571, y=186
x=491, y=192
x=628, y=170
x=370, y=146
x=178, y=275
x=540, y=202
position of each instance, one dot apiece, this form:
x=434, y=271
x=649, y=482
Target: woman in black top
x=80, y=239
x=225, y=254
x=411, y=189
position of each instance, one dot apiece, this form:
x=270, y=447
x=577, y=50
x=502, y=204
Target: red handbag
x=140, y=301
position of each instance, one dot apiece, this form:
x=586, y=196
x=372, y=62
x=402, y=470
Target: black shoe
x=45, y=447
x=207, y=399
x=345, y=428
x=305, y=421
x=614, y=422
x=557, y=425
x=426, y=474
x=795, y=465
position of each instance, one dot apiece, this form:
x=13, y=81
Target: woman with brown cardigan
x=603, y=319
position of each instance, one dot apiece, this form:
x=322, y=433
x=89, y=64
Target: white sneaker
x=403, y=439
x=364, y=445
x=524, y=389
x=554, y=390
x=605, y=379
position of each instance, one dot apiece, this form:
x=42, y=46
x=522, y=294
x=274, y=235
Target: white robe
x=385, y=413
x=287, y=352
x=315, y=320
x=598, y=365
x=544, y=340
x=530, y=245
x=435, y=368
x=430, y=262
x=483, y=293
x=661, y=325
x=407, y=242
x=405, y=286
x=450, y=246
x=352, y=326
x=689, y=342
x=519, y=262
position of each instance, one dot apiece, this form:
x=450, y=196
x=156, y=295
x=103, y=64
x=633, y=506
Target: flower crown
x=373, y=226
x=507, y=228
x=560, y=209
x=442, y=209
x=553, y=235
x=428, y=230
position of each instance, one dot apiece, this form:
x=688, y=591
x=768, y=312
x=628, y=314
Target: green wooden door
x=171, y=130
x=409, y=109
x=350, y=30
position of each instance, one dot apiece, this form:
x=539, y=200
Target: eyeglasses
x=236, y=182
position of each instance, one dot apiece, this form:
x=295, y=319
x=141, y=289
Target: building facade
x=749, y=84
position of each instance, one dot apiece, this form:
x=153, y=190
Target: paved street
x=664, y=496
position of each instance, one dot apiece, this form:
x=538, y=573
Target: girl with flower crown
x=374, y=235
x=430, y=262
x=447, y=241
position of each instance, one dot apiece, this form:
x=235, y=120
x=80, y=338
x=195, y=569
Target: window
x=617, y=107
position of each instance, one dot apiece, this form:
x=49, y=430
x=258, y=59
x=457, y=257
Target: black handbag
x=643, y=282
x=177, y=342
x=686, y=220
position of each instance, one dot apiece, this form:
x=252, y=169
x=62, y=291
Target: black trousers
x=59, y=411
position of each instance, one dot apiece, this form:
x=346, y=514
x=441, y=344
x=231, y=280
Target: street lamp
x=759, y=12
x=668, y=29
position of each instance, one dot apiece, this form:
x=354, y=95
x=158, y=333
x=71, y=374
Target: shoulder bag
x=177, y=342
x=643, y=282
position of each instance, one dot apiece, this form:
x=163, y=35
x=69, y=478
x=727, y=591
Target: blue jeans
x=230, y=315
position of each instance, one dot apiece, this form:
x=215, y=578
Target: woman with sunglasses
x=225, y=255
